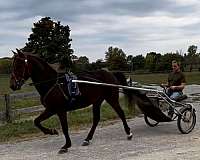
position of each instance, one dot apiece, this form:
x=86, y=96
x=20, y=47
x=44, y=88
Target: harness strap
x=59, y=87
x=66, y=97
x=45, y=96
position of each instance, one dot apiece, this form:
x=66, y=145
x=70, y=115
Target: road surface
x=163, y=142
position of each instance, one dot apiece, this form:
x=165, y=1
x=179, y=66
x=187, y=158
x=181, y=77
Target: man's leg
x=174, y=96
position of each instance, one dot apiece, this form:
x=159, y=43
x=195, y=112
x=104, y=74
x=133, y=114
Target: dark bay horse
x=53, y=93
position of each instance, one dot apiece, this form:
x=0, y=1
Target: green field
x=158, y=78
x=16, y=103
x=4, y=85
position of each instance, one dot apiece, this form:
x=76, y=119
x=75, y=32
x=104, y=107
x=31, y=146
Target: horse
x=55, y=97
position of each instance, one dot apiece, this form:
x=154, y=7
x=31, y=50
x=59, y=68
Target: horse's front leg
x=63, y=120
x=43, y=116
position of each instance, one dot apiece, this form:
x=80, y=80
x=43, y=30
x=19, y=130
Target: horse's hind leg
x=43, y=116
x=96, y=119
x=115, y=105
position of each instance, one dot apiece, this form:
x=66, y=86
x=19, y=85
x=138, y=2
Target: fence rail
x=8, y=112
x=25, y=95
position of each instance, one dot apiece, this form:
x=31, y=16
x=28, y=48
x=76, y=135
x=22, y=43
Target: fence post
x=8, y=108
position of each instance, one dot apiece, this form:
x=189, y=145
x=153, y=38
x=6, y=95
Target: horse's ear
x=17, y=50
x=14, y=52
x=20, y=53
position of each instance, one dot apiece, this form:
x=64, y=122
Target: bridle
x=19, y=80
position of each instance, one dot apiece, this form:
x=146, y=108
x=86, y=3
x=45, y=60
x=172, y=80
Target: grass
x=15, y=130
x=192, y=77
x=4, y=85
x=76, y=119
x=4, y=89
x=158, y=78
x=19, y=103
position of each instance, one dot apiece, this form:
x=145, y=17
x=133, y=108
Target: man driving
x=175, y=85
x=176, y=82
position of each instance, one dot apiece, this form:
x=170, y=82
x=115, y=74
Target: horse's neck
x=43, y=76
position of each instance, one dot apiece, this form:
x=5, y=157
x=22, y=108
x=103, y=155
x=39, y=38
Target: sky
x=135, y=26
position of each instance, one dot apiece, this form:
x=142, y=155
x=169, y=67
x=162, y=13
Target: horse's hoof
x=63, y=150
x=85, y=143
x=130, y=136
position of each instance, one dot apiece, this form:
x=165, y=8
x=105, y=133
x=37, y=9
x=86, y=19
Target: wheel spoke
x=186, y=121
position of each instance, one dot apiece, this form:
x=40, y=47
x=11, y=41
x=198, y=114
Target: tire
x=188, y=118
x=150, y=122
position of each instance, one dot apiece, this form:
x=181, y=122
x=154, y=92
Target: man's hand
x=163, y=85
x=172, y=87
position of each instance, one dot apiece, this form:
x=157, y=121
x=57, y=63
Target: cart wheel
x=187, y=120
x=150, y=122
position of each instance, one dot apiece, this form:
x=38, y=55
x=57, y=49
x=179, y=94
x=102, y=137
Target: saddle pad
x=73, y=88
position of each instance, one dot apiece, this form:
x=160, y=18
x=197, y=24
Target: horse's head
x=20, y=70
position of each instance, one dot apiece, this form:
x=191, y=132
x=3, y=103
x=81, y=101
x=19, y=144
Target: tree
x=138, y=62
x=83, y=60
x=166, y=61
x=192, y=50
x=51, y=41
x=129, y=60
x=150, y=61
x=99, y=64
x=191, y=55
x=80, y=64
x=116, y=59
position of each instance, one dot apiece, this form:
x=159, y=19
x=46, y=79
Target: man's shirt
x=176, y=78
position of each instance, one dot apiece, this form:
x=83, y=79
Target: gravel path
x=163, y=142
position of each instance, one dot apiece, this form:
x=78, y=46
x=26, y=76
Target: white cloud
x=185, y=2
x=136, y=26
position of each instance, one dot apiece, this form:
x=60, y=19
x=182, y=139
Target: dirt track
x=109, y=143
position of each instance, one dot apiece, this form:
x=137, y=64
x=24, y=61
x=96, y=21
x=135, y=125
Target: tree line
x=51, y=41
x=116, y=59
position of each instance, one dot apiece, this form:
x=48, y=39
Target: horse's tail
x=128, y=93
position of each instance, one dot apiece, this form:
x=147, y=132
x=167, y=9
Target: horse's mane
x=41, y=61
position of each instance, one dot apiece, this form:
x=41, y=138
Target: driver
x=176, y=82
x=175, y=85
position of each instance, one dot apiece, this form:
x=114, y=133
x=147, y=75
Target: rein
x=59, y=77
x=38, y=83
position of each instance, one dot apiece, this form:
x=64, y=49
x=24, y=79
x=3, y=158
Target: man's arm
x=164, y=85
x=180, y=87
